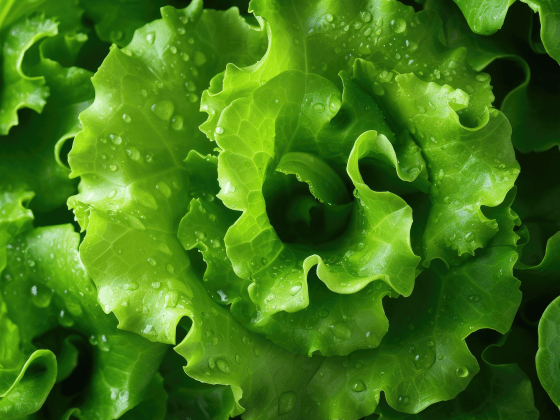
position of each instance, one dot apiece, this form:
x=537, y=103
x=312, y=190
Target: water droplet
x=65, y=319
x=199, y=58
x=152, y=262
x=150, y=37
x=133, y=153
x=170, y=268
x=173, y=49
x=246, y=340
x=469, y=236
x=164, y=189
x=323, y=313
x=93, y=340
x=257, y=351
x=156, y=284
x=116, y=35
x=211, y=363
x=358, y=386
x=171, y=299
x=41, y=296
x=462, y=372
x=329, y=17
x=223, y=366
x=404, y=400
x=319, y=107
x=163, y=109
x=115, y=138
x=423, y=357
x=264, y=261
x=270, y=297
x=294, y=290
x=286, y=402
x=177, y=122
x=112, y=194
x=104, y=343
x=219, y=130
x=482, y=77
x=126, y=118
x=334, y=103
x=181, y=31
x=238, y=359
x=341, y=331
x=366, y=16
x=398, y=25
x=133, y=285
x=113, y=167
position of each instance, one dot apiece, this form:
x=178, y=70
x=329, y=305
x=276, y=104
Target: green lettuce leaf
x=129, y=157
x=498, y=391
x=425, y=341
x=330, y=36
x=485, y=17
x=528, y=103
x=116, y=21
x=23, y=26
x=482, y=156
x=25, y=381
x=48, y=287
x=347, y=264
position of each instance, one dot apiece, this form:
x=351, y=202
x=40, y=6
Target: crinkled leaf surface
x=116, y=21
x=481, y=172
x=423, y=349
x=498, y=391
x=130, y=159
x=487, y=16
x=48, y=287
x=136, y=188
x=303, y=106
x=22, y=392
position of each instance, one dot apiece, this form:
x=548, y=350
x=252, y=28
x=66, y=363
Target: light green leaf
x=330, y=35
x=48, y=286
x=548, y=359
x=481, y=172
x=25, y=382
x=497, y=392
x=19, y=90
x=484, y=16
x=134, y=187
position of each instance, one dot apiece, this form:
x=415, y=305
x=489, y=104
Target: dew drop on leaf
x=398, y=25
x=286, y=402
x=223, y=366
x=177, y=122
x=163, y=109
x=199, y=58
x=133, y=153
x=294, y=290
x=462, y=372
x=358, y=386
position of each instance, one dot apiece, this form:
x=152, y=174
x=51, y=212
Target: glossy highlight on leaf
x=342, y=210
